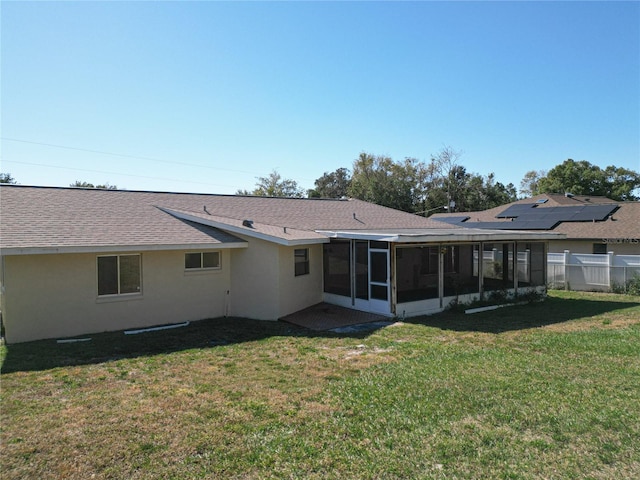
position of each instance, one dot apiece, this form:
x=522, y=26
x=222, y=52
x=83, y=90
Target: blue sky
x=208, y=96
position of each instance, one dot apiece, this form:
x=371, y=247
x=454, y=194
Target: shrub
x=632, y=287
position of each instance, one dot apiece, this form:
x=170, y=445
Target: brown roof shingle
x=52, y=217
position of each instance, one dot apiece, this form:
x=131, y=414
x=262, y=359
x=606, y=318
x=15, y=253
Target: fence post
x=610, y=268
x=566, y=261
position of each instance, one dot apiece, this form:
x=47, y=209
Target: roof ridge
x=163, y=192
x=205, y=214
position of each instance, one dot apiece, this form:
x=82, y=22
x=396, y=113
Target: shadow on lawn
x=521, y=317
x=110, y=346
x=105, y=347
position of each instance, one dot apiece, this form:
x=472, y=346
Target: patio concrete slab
x=324, y=316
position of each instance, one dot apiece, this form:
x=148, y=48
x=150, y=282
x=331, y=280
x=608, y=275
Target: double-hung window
x=301, y=257
x=202, y=260
x=119, y=274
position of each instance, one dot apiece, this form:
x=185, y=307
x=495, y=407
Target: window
x=301, y=257
x=531, y=259
x=600, y=248
x=337, y=267
x=416, y=273
x=201, y=260
x=497, y=266
x=119, y=274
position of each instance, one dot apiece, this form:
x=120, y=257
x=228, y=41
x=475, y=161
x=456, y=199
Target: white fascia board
x=118, y=248
x=248, y=232
x=440, y=236
x=380, y=237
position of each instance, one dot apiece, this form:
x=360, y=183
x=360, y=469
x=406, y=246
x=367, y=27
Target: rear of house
x=80, y=261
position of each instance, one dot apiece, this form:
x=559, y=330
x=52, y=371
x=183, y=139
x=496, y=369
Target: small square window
x=301, y=257
x=201, y=260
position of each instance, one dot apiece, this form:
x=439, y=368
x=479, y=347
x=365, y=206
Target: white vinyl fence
x=581, y=271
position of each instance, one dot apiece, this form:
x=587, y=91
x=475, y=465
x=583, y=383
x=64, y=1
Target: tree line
x=443, y=184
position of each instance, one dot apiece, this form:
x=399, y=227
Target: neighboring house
x=591, y=224
x=78, y=261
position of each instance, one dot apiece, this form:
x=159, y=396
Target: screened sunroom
x=409, y=273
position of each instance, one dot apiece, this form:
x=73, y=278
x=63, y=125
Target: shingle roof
x=624, y=223
x=58, y=218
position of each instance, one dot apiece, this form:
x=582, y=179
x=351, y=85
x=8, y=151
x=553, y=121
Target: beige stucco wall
x=51, y=296
x=254, y=280
x=626, y=247
x=263, y=281
x=297, y=293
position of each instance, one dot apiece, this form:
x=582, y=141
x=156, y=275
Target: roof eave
x=459, y=235
x=118, y=248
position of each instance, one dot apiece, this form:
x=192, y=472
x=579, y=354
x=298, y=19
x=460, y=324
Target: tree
x=274, y=185
x=496, y=193
x=623, y=184
x=441, y=180
x=579, y=178
x=84, y=184
x=450, y=186
x=530, y=183
x=583, y=178
x=380, y=180
x=332, y=185
x=416, y=187
x=7, y=178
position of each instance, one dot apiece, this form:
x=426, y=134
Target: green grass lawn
x=548, y=390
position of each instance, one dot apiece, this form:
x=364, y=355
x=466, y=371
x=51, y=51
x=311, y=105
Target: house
x=590, y=224
x=78, y=261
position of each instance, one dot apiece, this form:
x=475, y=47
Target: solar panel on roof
x=523, y=212
x=452, y=220
x=515, y=225
x=542, y=224
x=593, y=212
x=515, y=210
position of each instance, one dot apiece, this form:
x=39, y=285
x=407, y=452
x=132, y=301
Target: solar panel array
x=525, y=216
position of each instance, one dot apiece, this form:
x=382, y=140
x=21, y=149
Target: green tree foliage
x=7, y=178
x=416, y=187
x=274, y=185
x=332, y=185
x=482, y=193
x=83, y=184
x=583, y=178
x=378, y=179
x=623, y=184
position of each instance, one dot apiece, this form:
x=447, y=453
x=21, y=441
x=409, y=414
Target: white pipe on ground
x=153, y=329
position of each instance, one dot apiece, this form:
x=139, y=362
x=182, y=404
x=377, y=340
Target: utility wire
x=138, y=157
x=116, y=173
x=123, y=155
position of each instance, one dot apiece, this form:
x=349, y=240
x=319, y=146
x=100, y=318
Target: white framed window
x=301, y=260
x=202, y=261
x=119, y=274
